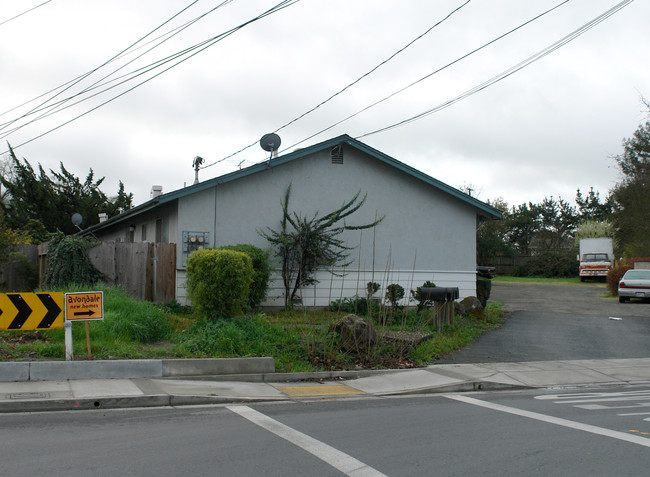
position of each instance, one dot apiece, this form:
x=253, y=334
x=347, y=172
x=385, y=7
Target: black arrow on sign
x=23, y=311
x=53, y=310
x=84, y=313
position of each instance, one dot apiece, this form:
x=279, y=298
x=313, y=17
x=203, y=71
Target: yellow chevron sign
x=31, y=311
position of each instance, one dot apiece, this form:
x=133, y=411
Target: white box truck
x=596, y=257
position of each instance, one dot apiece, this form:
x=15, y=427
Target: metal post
x=67, y=326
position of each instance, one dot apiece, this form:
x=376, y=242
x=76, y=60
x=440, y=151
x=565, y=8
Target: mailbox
x=439, y=293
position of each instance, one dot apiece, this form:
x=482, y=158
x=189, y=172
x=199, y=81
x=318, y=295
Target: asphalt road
x=536, y=433
x=560, y=322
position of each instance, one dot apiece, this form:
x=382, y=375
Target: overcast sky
x=545, y=130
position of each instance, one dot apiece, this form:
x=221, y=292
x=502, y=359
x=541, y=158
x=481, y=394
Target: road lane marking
x=553, y=420
x=319, y=390
x=334, y=457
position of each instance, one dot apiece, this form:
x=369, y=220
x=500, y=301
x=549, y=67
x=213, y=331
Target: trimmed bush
x=394, y=293
x=218, y=282
x=261, y=272
x=417, y=294
x=615, y=273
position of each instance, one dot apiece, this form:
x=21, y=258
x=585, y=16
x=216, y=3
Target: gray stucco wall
x=424, y=229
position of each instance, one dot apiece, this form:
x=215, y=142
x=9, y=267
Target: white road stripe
x=553, y=420
x=337, y=459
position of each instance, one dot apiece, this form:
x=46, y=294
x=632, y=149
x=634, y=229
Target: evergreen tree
x=631, y=195
x=33, y=197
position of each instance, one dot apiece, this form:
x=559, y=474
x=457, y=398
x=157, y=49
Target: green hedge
x=261, y=272
x=218, y=282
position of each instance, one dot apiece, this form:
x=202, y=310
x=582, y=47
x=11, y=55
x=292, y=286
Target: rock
x=470, y=306
x=355, y=334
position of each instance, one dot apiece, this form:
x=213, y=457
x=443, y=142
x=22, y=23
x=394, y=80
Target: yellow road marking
x=319, y=390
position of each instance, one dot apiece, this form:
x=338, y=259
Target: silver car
x=634, y=284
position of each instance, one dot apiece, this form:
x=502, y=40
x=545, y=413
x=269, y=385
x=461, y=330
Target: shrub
x=372, y=288
x=261, y=272
x=68, y=262
x=483, y=290
x=394, y=293
x=417, y=294
x=551, y=264
x=357, y=305
x=615, y=273
x=218, y=281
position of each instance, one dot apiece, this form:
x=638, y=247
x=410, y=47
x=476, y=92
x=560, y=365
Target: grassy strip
x=553, y=281
x=298, y=340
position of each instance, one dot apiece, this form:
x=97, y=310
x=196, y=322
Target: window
x=143, y=237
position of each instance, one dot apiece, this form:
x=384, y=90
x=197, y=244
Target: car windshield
x=595, y=257
x=637, y=275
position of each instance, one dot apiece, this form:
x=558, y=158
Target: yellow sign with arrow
x=84, y=306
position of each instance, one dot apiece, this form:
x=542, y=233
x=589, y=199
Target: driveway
x=560, y=322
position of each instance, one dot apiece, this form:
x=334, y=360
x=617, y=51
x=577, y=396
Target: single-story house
x=428, y=233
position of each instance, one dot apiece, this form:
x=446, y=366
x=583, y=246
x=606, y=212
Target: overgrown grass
x=465, y=331
x=557, y=281
x=299, y=340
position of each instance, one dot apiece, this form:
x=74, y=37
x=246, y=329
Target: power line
x=503, y=75
x=25, y=12
x=85, y=75
x=56, y=107
x=372, y=70
x=457, y=60
x=206, y=44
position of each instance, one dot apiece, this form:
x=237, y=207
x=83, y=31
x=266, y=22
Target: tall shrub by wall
x=218, y=282
x=261, y=272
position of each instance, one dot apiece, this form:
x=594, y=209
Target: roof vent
x=156, y=191
x=337, y=154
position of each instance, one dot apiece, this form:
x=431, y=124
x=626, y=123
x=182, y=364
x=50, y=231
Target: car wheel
x=621, y=299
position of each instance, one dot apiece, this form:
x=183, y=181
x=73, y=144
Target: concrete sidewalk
x=118, y=392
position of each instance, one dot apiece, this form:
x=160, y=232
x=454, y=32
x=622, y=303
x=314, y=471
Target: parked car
x=634, y=284
x=485, y=272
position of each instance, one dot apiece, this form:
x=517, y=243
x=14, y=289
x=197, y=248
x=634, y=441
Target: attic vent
x=337, y=154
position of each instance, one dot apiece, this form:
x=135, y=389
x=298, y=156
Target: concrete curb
x=132, y=369
x=89, y=404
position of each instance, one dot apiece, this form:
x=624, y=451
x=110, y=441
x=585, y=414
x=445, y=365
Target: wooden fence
x=507, y=265
x=146, y=270
x=19, y=272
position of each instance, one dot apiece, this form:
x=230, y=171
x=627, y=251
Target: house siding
x=426, y=233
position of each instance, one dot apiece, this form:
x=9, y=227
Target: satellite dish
x=77, y=219
x=270, y=142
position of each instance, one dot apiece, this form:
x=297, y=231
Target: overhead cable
x=457, y=60
x=206, y=44
x=372, y=70
x=25, y=12
x=57, y=107
x=85, y=75
x=510, y=71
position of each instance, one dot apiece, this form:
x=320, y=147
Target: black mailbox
x=439, y=293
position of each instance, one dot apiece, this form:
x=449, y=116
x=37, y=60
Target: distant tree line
x=547, y=231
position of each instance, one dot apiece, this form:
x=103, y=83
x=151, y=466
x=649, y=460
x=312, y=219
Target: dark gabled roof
x=485, y=210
